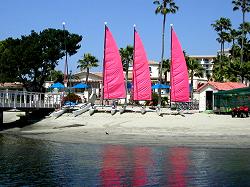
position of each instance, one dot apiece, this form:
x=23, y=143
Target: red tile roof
x=11, y=85
x=223, y=85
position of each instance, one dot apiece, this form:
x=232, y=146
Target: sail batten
x=178, y=71
x=141, y=75
x=113, y=77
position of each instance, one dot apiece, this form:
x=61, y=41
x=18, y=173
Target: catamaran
x=141, y=75
x=179, y=83
x=113, y=77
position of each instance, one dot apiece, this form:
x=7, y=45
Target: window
x=206, y=60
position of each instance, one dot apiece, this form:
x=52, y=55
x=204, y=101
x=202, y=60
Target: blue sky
x=192, y=23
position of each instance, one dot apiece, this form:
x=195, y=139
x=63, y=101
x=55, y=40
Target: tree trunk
x=126, y=84
x=242, y=41
x=192, y=83
x=233, y=49
x=220, y=52
x=223, y=47
x=166, y=76
x=162, y=56
x=87, y=76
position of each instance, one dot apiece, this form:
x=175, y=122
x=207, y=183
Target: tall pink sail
x=113, y=77
x=141, y=74
x=179, y=73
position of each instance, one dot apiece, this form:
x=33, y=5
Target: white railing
x=23, y=99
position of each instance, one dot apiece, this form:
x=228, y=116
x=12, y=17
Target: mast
x=104, y=50
x=133, y=75
x=66, y=71
x=171, y=29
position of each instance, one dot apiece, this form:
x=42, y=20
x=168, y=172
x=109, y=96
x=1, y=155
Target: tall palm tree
x=244, y=6
x=234, y=34
x=221, y=26
x=195, y=69
x=164, y=7
x=87, y=62
x=245, y=40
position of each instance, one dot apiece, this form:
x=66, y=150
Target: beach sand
x=196, y=130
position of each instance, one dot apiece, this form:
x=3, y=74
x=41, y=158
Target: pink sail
x=179, y=73
x=141, y=74
x=113, y=77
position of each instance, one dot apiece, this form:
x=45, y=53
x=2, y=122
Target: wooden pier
x=27, y=101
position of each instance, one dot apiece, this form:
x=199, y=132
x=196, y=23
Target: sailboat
x=113, y=77
x=179, y=83
x=141, y=76
x=179, y=91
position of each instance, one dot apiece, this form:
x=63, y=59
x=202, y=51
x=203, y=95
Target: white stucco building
x=206, y=98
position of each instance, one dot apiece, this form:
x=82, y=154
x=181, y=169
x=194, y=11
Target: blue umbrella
x=129, y=85
x=162, y=86
x=57, y=85
x=81, y=85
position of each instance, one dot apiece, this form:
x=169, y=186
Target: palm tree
x=55, y=76
x=194, y=69
x=236, y=70
x=166, y=68
x=234, y=34
x=221, y=26
x=226, y=70
x=127, y=59
x=244, y=6
x=164, y=7
x=88, y=61
x=245, y=40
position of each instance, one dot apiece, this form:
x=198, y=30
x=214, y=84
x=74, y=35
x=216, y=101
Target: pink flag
x=179, y=73
x=141, y=74
x=113, y=77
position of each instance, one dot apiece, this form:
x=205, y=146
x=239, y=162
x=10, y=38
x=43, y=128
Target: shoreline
x=195, y=130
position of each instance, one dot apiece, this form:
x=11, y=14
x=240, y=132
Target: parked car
x=242, y=111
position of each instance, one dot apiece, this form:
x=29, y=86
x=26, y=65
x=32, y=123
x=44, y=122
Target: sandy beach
x=197, y=129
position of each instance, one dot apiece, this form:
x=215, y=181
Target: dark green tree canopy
x=31, y=58
x=55, y=76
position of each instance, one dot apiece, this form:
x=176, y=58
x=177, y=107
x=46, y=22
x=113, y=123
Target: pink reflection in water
x=179, y=163
x=113, y=166
x=142, y=162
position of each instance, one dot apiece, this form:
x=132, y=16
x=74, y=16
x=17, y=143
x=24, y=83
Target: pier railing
x=23, y=99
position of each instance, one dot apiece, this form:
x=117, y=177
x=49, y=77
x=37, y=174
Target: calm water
x=25, y=162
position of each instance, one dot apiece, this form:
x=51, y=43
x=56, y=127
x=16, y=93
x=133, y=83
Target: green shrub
x=164, y=101
x=154, y=101
x=73, y=98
